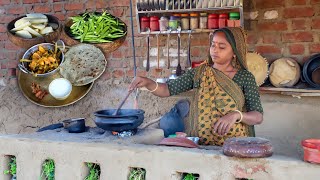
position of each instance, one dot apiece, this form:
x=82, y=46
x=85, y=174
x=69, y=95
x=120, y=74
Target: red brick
x=11, y=55
x=12, y=64
x=118, y=73
x=10, y=46
x=296, y=49
x=30, y=1
x=60, y=16
x=3, y=65
x=16, y=10
x=299, y=24
x=262, y=4
x=57, y=7
x=273, y=26
x=42, y=9
x=315, y=24
x=3, y=28
x=15, y=1
x=3, y=36
x=271, y=38
x=130, y=73
x=91, y=5
x=268, y=50
x=298, y=12
x=58, y=0
x=314, y=48
x=73, y=6
x=106, y=75
x=299, y=2
x=12, y=72
x=112, y=3
x=102, y=4
x=3, y=73
x=195, y=52
x=315, y=2
x=4, y=2
x=115, y=64
x=252, y=38
x=117, y=54
x=7, y=18
x=117, y=12
x=297, y=37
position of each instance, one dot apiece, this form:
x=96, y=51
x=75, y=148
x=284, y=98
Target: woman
x=228, y=100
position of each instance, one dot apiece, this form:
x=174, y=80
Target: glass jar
x=154, y=23
x=213, y=21
x=185, y=25
x=144, y=23
x=203, y=21
x=173, y=23
x=223, y=20
x=194, y=21
x=163, y=23
x=178, y=17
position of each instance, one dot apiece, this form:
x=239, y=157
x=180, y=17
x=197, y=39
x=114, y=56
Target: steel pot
x=126, y=119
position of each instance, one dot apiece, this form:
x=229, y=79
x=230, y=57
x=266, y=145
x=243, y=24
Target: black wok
x=126, y=119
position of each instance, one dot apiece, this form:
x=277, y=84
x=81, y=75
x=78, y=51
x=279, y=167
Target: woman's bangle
x=241, y=116
x=157, y=85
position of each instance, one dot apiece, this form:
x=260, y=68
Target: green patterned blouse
x=243, y=78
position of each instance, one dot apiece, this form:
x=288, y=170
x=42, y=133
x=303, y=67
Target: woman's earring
x=234, y=61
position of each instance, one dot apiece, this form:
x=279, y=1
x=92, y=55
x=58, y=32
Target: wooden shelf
x=295, y=92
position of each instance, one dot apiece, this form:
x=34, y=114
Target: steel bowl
x=24, y=66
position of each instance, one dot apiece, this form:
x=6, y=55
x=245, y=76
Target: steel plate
x=25, y=81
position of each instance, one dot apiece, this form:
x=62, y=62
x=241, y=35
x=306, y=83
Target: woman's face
x=220, y=50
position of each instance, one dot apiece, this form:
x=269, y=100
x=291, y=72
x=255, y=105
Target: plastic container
x=234, y=19
x=203, y=21
x=223, y=20
x=194, y=21
x=213, y=21
x=144, y=23
x=163, y=23
x=154, y=23
x=311, y=149
x=185, y=25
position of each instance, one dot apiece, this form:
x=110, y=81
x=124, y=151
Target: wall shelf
x=295, y=92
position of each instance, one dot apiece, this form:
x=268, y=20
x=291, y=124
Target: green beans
x=97, y=27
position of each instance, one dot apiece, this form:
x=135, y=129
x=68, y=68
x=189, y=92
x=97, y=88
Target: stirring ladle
x=122, y=102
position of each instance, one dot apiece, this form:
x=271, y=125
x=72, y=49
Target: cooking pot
x=310, y=69
x=126, y=119
x=74, y=125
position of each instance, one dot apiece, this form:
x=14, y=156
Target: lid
x=213, y=16
x=145, y=18
x=223, y=15
x=176, y=14
x=234, y=14
x=203, y=14
x=164, y=18
x=258, y=66
x=311, y=143
x=154, y=18
x=174, y=18
x=194, y=14
x=184, y=15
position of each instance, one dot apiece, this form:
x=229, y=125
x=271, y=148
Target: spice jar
x=178, y=17
x=234, y=19
x=144, y=23
x=154, y=23
x=163, y=23
x=185, y=22
x=223, y=20
x=173, y=23
x=203, y=21
x=194, y=21
x=213, y=21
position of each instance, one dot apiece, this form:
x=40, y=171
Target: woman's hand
x=224, y=124
x=139, y=82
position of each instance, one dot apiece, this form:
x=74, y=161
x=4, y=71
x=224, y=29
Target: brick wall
x=282, y=28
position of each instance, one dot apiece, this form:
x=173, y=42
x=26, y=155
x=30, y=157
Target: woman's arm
x=160, y=89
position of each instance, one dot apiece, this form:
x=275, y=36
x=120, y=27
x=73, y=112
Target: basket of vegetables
x=31, y=29
x=102, y=30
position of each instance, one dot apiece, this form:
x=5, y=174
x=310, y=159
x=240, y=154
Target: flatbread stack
x=83, y=64
x=258, y=66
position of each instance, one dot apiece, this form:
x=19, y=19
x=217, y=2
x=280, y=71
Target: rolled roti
x=83, y=64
